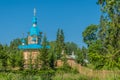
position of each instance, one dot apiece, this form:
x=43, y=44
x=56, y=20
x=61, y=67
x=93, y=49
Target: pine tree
x=44, y=55
x=4, y=56
x=60, y=45
x=52, y=60
x=20, y=60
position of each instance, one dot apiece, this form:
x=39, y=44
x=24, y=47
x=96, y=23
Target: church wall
x=30, y=55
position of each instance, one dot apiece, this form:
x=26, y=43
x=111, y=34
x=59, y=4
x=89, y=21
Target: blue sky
x=73, y=16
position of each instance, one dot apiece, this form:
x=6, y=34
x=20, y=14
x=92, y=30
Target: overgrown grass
x=64, y=76
x=13, y=76
x=62, y=73
x=51, y=75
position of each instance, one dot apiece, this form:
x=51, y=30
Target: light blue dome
x=34, y=31
x=34, y=20
x=35, y=34
x=23, y=40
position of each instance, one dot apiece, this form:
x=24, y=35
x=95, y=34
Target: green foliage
x=82, y=56
x=52, y=60
x=15, y=43
x=20, y=61
x=60, y=45
x=12, y=59
x=4, y=56
x=15, y=55
x=70, y=47
x=110, y=22
x=47, y=75
x=44, y=55
x=104, y=45
x=10, y=56
x=89, y=35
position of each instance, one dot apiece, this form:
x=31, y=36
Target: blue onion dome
x=34, y=31
x=23, y=40
x=34, y=20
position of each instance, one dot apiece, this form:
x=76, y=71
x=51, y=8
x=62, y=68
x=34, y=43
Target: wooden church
x=31, y=48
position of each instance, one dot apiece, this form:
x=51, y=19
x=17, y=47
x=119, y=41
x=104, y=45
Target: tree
x=60, y=45
x=14, y=54
x=89, y=35
x=82, y=57
x=12, y=58
x=106, y=47
x=4, y=56
x=52, y=60
x=111, y=15
x=15, y=43
x=44, y=55
x=20, y=60
x=70, y=47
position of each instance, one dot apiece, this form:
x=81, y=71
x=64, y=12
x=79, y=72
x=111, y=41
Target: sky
x=73, y=16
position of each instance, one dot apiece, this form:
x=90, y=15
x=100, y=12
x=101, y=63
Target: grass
x=76, y=73
x=67, y=76
x=18, y=76
x=58, y=76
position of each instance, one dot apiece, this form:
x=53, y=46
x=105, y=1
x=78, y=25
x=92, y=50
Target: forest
x=101, y=54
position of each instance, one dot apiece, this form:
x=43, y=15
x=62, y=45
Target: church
x=33, y=45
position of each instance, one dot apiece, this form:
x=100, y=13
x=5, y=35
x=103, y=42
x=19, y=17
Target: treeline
x=103, y=40
x=12, y=58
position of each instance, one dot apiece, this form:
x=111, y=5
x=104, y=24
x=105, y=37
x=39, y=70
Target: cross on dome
x=34, y=11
